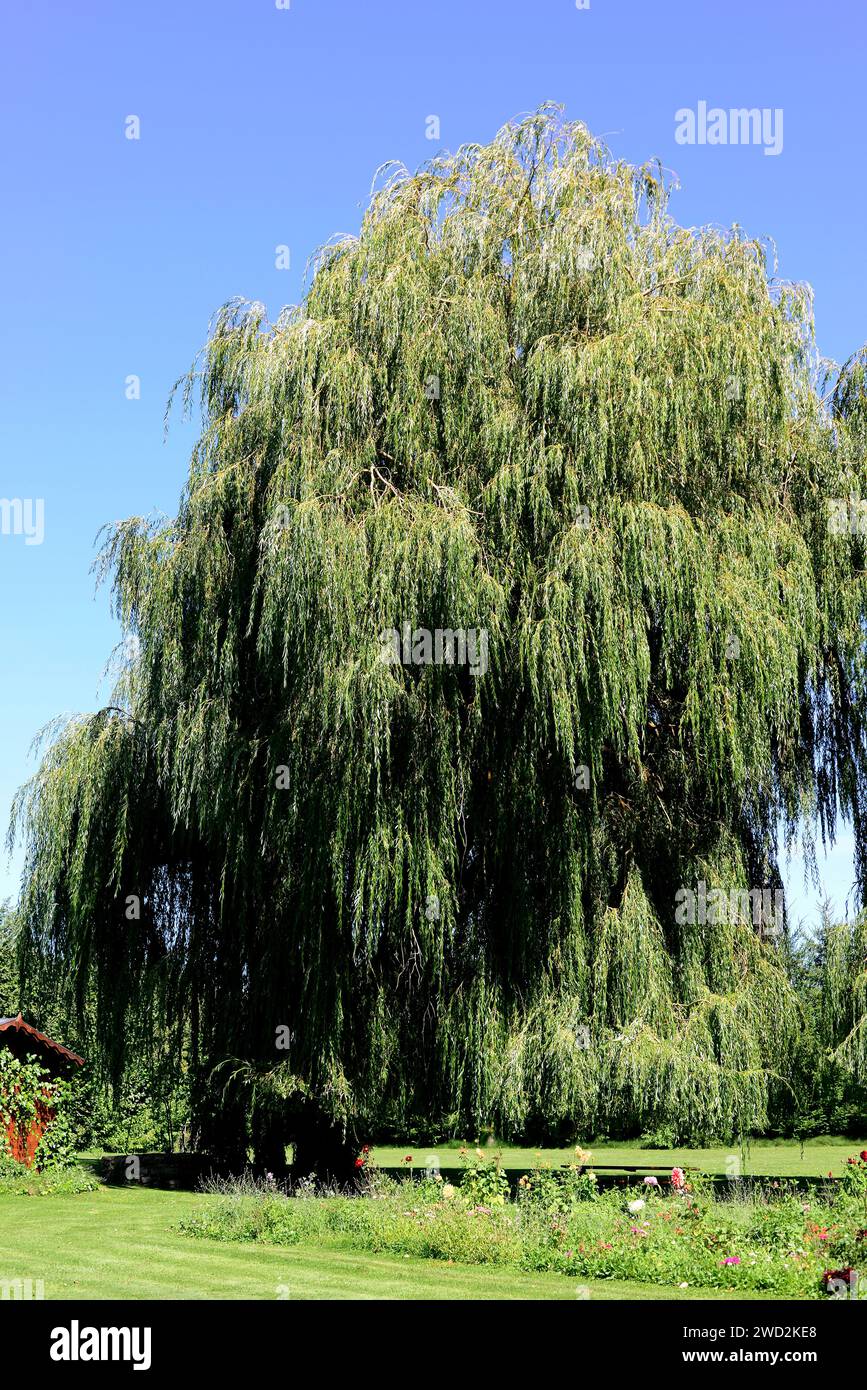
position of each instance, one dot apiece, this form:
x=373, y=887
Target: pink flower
x=732, y=1260
x=651, y=1182
x=677, y=1178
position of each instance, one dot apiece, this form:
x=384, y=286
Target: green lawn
x=777, y=1158
x=118, y=1243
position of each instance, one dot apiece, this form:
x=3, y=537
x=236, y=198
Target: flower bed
x=675, y=1233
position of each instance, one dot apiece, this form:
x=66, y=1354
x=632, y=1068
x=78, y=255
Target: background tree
x=522, y=400
x=9, y=974
x=826, y=1091
x=143, y=1107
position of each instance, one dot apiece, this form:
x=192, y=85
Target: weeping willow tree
x=843, y=1017
x=357, y=878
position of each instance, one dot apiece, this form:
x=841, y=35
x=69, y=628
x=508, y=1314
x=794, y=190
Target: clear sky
x=261, y=126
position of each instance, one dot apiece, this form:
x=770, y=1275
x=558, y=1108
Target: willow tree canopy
x=524, y=405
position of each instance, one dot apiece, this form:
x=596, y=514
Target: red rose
x=864, y=1155
x=359, y=1163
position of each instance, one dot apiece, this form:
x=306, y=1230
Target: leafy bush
x=484, y=1181
x=855, y=1177
x=558, y=1189
x=27, y=1092
x=52, y=1182
x=664, y=1136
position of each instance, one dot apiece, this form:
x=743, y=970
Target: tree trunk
x=322, y=1148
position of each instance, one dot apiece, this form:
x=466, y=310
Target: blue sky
x=262, y=126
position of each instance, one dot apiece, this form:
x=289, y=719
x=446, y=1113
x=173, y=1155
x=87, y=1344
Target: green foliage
x=148, y=1108
x=27, y=1091
x=665, y=1136
x=57, y=1147
x=847, y=1249
x=523, y=400
x=141, y=1113
x=483, y=1181
x=855, y=1180
x=558, y=1189
x=19, y=1181
x=844, y=999
x=9, y=982
x=827, y=1087
x=25, y=1087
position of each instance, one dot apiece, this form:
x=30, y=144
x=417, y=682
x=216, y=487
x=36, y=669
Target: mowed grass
x=763, y=1158
x=118, y=1243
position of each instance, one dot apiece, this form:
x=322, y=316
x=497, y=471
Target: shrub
x=484, y=1181
x=27, y=1091
x=557, y=1189
x=854, y=1179
x=52, y=1182
x=664, y=1136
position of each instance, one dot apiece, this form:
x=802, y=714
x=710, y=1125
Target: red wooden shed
x=24, y=1041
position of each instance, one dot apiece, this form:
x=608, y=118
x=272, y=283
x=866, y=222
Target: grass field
x=117, y=1243
x=773, y=1158
x=121, y=1243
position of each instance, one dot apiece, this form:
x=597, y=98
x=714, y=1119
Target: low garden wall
x=185, y=1171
